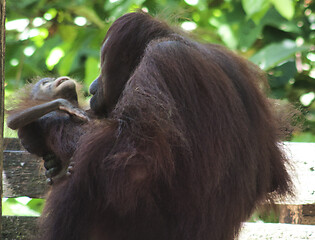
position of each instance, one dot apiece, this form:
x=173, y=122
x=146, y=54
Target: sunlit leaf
x=36, y=205
x=40, y=38
x=228, y=36
x=253, y=6
x=50, y=14
x=275, y=53
x=54, y=57
x=304, y=137
x=255, y=9
x=11, y=207
x=285, y=8
x=88, y=13
x=66, y=62
x=119, y=7
x=68, y=33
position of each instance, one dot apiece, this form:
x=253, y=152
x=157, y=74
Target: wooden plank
x=276, y=231
x=301, y=209
x=309, y=210
x=24, y=177
x=22, y=174
x=12, y=144
x=302, y=156
x=18, y=228
x=25, y=228
x=298, y=214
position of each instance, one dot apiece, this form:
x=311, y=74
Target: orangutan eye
x=45, y=82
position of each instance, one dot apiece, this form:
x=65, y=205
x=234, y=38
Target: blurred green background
x=55, y=38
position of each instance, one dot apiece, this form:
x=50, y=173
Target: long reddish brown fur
x=189, y=149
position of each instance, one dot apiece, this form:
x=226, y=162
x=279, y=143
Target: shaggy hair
x=188, y=148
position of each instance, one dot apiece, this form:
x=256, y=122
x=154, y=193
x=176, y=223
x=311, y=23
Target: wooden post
x=2, y=54
x=298, y=214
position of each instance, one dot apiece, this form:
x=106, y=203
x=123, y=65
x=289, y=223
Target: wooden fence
x=22, y=176
x=297, y=215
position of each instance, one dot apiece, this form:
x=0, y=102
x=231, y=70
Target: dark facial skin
x=98, y=103
x=93, y=90
x=93, y=87
x=97, y=100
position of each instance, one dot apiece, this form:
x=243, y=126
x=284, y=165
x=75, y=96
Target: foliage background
x=55, y=38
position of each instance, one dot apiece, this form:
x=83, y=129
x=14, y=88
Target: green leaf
x=228, y=36
x=68, y=33
x=255, y=9
x=248, y=34
x=36, y=205
x=92, y=70
x=26, y=3
x=11, y=207
x=66, y=62
x=54, y=57
x=281, y=75
x=275, y=53
x=285, y=8
x=120, y=7
x=89, y=14
x=304, y=137
x=259, y=15
x=278, y=93
x=273, y=18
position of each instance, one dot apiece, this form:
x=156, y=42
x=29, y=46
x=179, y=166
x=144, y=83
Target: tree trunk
x=2, y=54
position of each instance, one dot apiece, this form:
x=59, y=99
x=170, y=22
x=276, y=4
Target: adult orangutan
x=185, y=146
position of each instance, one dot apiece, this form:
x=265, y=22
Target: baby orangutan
x=57, y=94
x=52, y=97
